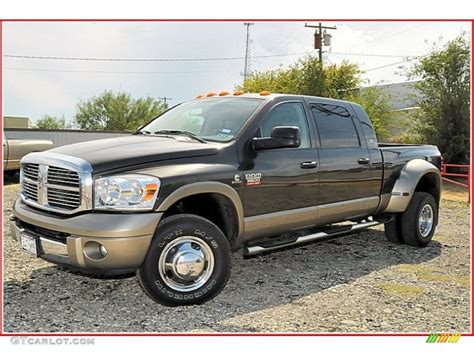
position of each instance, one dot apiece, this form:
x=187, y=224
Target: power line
x=376, y=55
x=146, y=59
x=114, y=72
x=387, y=65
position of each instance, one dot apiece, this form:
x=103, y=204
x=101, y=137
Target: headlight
x=126, y=192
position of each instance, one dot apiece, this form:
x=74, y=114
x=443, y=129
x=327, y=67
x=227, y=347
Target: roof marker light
x=224, y=93
x=265, y=93
x=199, y=96
x=238, y=93
x=210, y=94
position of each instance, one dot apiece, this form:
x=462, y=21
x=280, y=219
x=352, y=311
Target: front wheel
x=188, y=261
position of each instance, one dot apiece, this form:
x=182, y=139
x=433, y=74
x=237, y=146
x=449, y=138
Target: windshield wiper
x=142, y=132
x=184, y=133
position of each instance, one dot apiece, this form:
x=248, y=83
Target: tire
x=410, y=220
x=188, y=262
x=393, y=230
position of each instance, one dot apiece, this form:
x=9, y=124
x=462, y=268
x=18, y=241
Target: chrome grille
x=30, y=171
x=56, y=182
x=30, y=190
x=63, y=198
x=65, y=177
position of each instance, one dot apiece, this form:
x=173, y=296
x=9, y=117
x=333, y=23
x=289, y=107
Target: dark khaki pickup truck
x=251, y=172
x=15, y=149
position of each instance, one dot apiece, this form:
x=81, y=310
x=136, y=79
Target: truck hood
x=114, y=153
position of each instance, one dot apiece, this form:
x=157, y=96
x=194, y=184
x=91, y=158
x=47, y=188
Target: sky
x=35, y=87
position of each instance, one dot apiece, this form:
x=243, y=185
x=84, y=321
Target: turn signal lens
x=211, y=94
x=150, y=191
x=265, y=93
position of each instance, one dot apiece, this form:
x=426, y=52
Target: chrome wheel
x=186, y=264
x=425, y=220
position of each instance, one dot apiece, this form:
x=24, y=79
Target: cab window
x=287, y=114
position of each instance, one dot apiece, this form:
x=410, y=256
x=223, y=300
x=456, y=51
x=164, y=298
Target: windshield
x=217, y=119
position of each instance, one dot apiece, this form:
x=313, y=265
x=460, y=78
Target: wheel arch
x=417, y=175
x=215, y=201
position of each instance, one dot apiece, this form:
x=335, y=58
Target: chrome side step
x=256, y=249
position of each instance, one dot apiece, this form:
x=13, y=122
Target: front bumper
x=75, y=240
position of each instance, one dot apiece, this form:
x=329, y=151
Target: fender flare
x=406, y=183
x=207, y=187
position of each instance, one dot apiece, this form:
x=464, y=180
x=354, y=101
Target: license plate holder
x=29, y=244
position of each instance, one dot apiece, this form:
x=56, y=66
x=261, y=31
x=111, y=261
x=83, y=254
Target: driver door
x=284, y=178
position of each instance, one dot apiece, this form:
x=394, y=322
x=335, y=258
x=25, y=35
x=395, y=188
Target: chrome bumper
x=77, y=240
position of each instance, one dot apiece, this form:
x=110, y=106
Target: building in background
x=16, y=122
x=403, y=98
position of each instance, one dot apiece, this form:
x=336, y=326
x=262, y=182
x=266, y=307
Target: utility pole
x=321, y=38
x=165, y=101
x=247, y=50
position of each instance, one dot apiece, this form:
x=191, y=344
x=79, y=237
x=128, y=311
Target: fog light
x=94, y=250
x=103, y=251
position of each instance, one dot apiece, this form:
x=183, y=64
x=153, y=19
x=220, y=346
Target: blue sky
x=34, y=87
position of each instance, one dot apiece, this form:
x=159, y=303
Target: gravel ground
x=357, y=283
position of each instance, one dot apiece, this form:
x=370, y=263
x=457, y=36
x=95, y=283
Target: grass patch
x=401, y=290
x=426, y=273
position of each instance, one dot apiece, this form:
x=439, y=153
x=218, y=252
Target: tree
x=51, y=122
x=339, y=81
x=377, y=105
x=120, y=111
x=443, y=118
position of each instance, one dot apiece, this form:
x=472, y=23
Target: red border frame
x=220, y=20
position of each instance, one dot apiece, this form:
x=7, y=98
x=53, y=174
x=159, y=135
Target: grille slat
x=63, y=187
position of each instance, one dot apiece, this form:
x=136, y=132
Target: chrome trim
x=426, y=220
x=47, y=159
x=186, y=264
x=256, y=249
x=52, y=247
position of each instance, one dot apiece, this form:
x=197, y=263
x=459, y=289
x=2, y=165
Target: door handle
x=364, y=160
x=309, y=164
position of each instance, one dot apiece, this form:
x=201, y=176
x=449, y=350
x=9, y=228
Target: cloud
x=34, y=93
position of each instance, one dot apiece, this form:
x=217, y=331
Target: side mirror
x=282, y=137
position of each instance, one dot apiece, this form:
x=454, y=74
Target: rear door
x=345, y=190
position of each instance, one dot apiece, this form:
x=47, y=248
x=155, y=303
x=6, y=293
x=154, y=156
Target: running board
x=257, y=249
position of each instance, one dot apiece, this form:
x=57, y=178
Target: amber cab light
x=211, y=94
x=265, y=93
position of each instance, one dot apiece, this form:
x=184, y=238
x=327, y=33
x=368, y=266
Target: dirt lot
x=357, y=283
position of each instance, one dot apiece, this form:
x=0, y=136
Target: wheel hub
x=189, y=265
x=425, y=220
x=186, y=264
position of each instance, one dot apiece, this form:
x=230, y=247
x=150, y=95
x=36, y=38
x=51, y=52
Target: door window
x=287, y=114
x=335, y=126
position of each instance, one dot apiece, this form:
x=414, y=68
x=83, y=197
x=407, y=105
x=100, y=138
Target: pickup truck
x=216, y=174
x=15, y=149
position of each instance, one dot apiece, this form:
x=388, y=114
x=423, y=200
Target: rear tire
x=393, y=230
x=405, y=227
x=188, y=261
x=420, y=219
